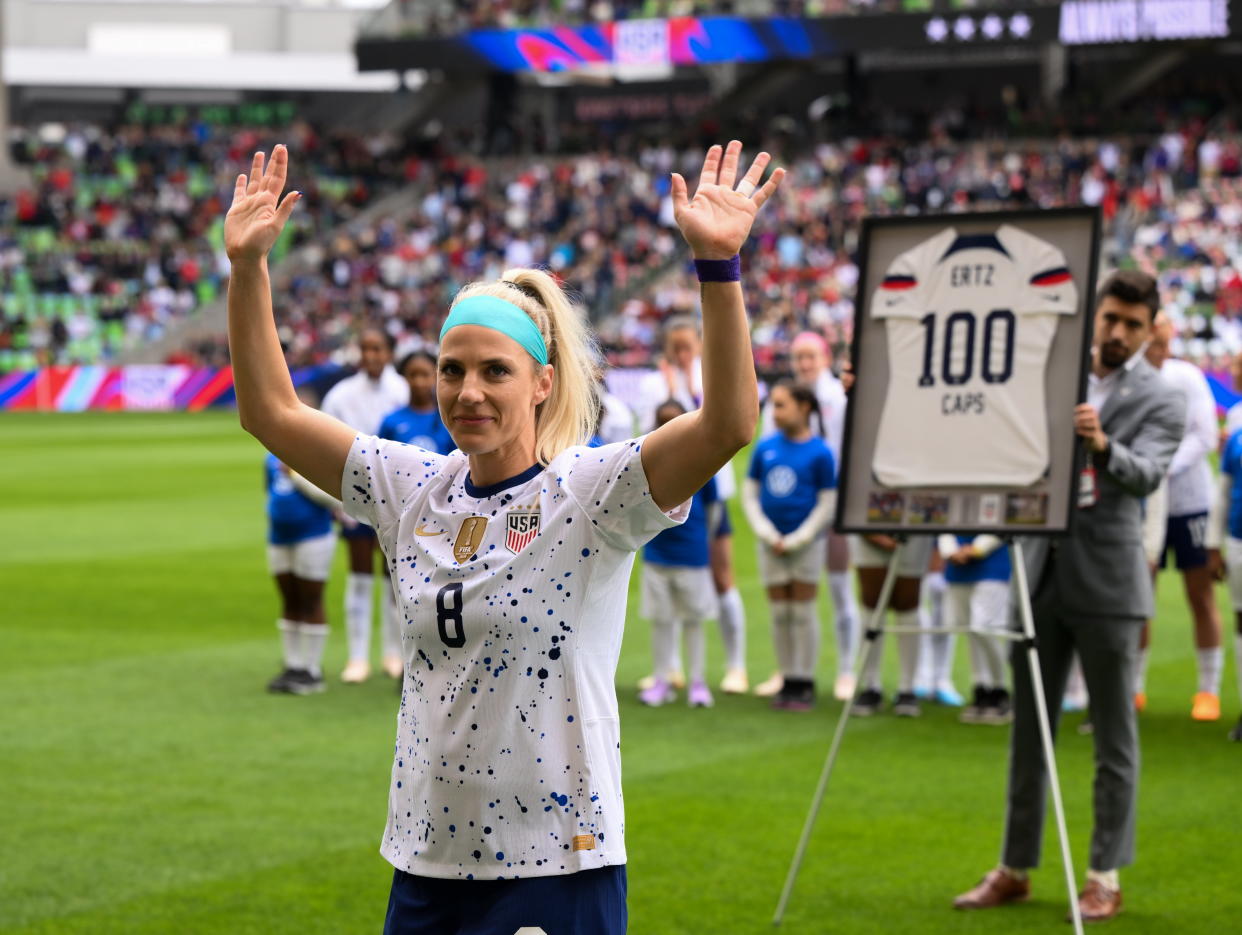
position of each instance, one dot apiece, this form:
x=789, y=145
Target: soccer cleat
x=356, y=670
x=843, y=687
x=999, y=709
x=1206, y=707
x=770, y=687
x=659, y=692
x=1074, y=701
x=302, y=682
x=922, y=692
x=699, y=695
x=974, y=712
x=676, y=678
x=735, y=682
x=1140, y=702
x=948, y=696
x=394, y=667
x=906, y=705
x=1236, y=734
x=280, y=684
x=795, y=695
x=867, y=703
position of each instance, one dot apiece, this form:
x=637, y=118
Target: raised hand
x=258, y=214
x=717, y=221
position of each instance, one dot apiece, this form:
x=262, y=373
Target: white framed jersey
x=513, y=596
x=969, y=320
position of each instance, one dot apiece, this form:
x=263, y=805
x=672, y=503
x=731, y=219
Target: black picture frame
x=851, y=513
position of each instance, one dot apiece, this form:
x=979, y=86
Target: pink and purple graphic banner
x=135, y=388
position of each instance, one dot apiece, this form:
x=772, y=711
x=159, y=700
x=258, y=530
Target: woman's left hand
x=717, y=221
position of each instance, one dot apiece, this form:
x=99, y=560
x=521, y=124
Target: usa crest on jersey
x=521, y=527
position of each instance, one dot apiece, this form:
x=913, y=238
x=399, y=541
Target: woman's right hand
x=257, y=215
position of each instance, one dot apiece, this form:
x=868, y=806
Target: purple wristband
x=729, y=270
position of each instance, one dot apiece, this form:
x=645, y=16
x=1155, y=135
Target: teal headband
x=502, y=316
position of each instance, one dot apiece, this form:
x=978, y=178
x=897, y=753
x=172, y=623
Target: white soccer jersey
x=362, y=403
x=507, y=761
x=1190, y=476
x=970, y=319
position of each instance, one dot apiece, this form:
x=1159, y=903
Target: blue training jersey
x=1231, y=464
x=423, y=429
x=686, y=545
x=291, y=515
x=791, y=475
x=995, y=567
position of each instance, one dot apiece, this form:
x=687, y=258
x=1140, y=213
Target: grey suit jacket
x=1100, y=569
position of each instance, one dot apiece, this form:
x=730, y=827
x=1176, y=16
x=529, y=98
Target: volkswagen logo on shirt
x=781, y=480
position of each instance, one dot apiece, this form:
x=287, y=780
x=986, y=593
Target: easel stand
x=874, y=631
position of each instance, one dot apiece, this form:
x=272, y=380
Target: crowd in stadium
x=119, y=237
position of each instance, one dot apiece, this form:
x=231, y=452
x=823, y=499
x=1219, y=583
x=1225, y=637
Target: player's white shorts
x=677, y=592
x=310, y=559
x=806, y=564
x=915, y=555
x=981, y=605
x=1233, y=561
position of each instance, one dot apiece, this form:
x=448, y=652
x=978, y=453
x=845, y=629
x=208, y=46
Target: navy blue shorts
x=1186, y=536
x=361, y=531
x=590, y=901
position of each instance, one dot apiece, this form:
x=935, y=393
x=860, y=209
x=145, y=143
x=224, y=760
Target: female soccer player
x=511, y=559
x=362, y=401
x=811, y=358
x=418, y=423
x=677, y=591
x=977, y=572
x=789, y=497
x=300, y=547
x=680, y=377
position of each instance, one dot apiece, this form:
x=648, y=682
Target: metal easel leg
x=1045, y=729
x=874, y=630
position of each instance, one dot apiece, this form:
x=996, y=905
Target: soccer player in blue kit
x=300, y=548
x=789, y=497
x=511, y=560
x=419, y=422
x=677, y=591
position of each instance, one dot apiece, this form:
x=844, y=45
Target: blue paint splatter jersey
x=507, y=760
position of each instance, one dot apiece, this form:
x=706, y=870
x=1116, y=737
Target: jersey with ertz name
x=507, y=761
x=970, y=320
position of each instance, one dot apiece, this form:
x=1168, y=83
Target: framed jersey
x=971, y=346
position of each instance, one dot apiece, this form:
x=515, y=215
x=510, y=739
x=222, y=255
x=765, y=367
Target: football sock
x=1211, y=662
x=980, y=664
x=390, y=619
x=938, y=646
x=870, y=677
x=314, y=635
x=732, y=622
x=845, y=611
x=291, y=643
x=1075, y=686
x=1140, y=670
x=358, y=615
x=1109, y=878
x=907, y=649
x=804, y=623
x=696, y=648
x=782, y=637
x=663, y=647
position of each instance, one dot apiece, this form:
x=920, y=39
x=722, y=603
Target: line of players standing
x=788, y=498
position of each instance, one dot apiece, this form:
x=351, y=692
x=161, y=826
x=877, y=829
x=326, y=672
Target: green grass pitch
x=149, y=785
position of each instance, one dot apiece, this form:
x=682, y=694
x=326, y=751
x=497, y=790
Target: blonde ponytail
x=567, y=417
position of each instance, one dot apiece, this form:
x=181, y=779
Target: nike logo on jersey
x=1051, y=298
x=423, y=531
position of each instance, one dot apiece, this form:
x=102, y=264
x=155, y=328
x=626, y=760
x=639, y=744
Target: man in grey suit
x=1092, y=592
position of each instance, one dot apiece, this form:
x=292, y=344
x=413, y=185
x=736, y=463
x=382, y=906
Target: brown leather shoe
x=1097, y=903
x=997, y=888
